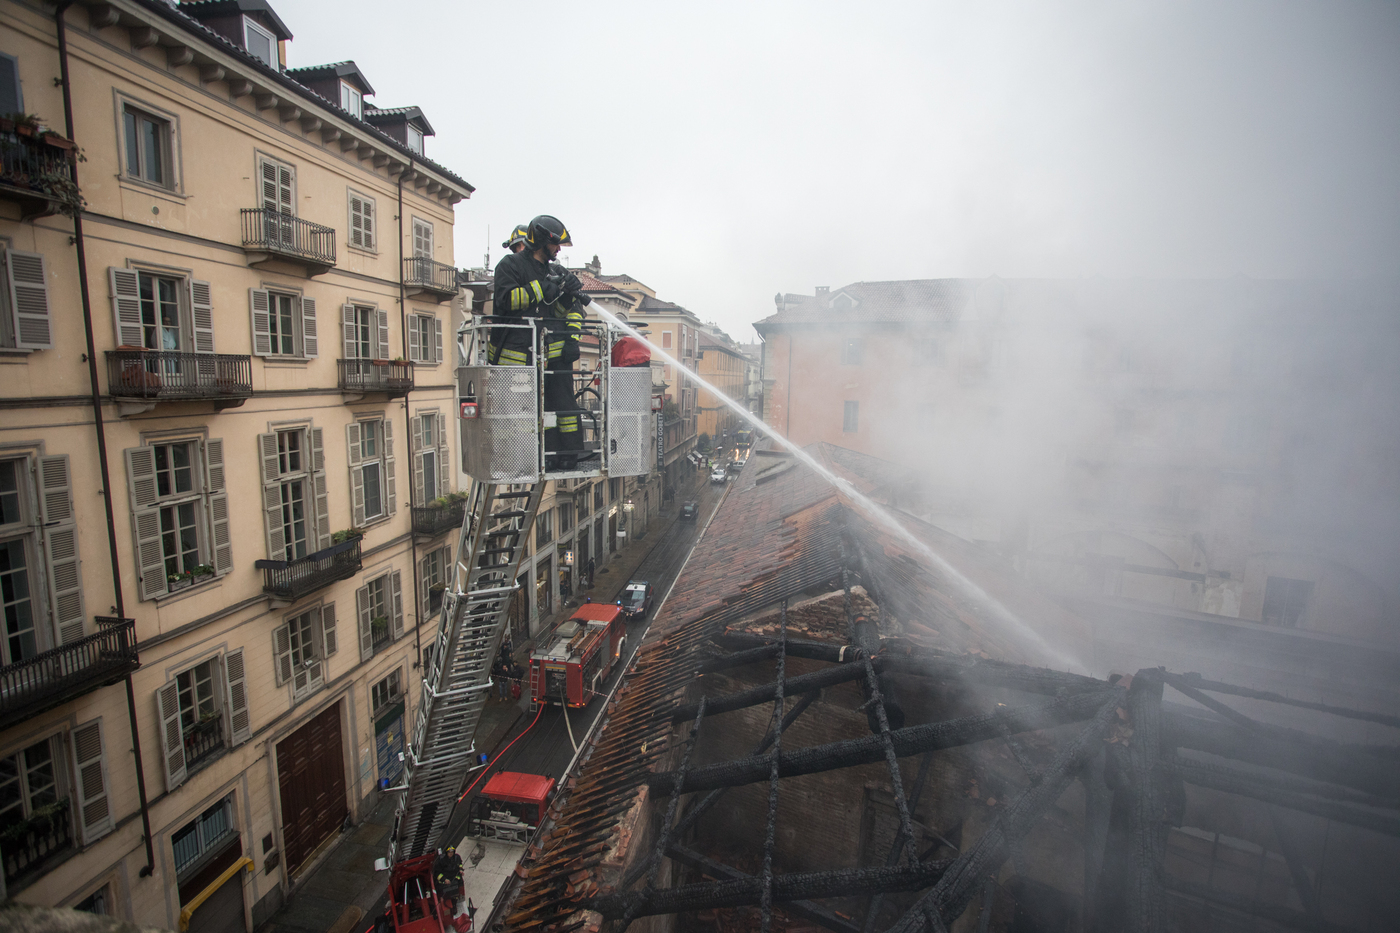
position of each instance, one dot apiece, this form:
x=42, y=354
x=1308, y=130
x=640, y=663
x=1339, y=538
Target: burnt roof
x=903, y=301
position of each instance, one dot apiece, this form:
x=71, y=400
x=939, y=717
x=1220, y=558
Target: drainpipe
x=96, y=389
x=408, y=435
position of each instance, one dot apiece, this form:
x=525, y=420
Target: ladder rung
x=500, y=516
x=513, y=495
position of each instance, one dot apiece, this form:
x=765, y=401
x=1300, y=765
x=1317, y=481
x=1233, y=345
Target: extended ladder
x=458, y=677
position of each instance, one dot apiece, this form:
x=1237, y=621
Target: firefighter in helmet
x=516, y=243
x=530, y=285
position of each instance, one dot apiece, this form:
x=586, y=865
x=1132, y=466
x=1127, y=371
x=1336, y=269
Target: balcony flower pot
x=7, y=125
x=58, y=142
x=177, y=583
x=24, y=129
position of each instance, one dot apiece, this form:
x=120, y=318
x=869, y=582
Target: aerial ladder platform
x=502, y=428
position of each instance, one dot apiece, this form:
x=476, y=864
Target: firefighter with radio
x=529, y=284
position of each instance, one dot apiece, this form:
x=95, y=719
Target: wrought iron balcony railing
x=283, y=236
x=28, y=844
x=165, y=374
x=395, y=378
x=203, y=739
x=60, y=674
x=37, y=173
x=439, y=519
x=293, y=579
x=423, y=275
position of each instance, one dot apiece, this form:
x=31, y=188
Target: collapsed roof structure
x=898, y=747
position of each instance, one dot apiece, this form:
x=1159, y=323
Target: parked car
x=734, y=467
x=636, y=599
x=690, y=511
x=717, y=475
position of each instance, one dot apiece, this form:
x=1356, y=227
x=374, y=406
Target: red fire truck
x=573, y=664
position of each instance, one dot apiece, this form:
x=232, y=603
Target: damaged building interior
x=825, y=730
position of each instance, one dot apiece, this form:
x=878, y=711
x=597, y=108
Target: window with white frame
x=39, y=800
x=40, y=582
x=199, y=840
x=259, y=42
x=25, y=321
x=362, y=221
x=179, y=510
x=365, y=332
x=432, y=476
x=424, y=338
x=155, y=310
x=300, y=648
x=422, y=236
x=148, y=139
x=373, y=494
x=434, y=567
x=385, y=693
x=415, y=139
x=296, y=509
x=379, y=607
x=203, y=710
x=284, y=324
x=351, y=100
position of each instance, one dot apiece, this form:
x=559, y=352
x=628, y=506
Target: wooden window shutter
x=90, y=761
x=126, y=306
x=396, y=610
x=272, y=497
x=202, y=308
x=437, y=339
x=357, y=476
x=444, y=456
x=424, y=612
x=282, y=654
x=220, y=541
x=389, y=484
x=369, y=223
x=286, y=181
x=318, y=483
x=347, y=324
x=357, y=223
x=260, y=306
x=329, y=643
x=416, y=449
x=364, y=614
x=415, y=350
x=29, y=300
x=60, y=535
x=236, y=679
x=310, y=341
x=172, y=739
x=145, y=521
x=383, y=352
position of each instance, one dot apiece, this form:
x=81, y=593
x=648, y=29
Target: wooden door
x=311, y=776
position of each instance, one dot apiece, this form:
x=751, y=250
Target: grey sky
x=722, y=152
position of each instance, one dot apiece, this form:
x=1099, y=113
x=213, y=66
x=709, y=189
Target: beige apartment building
x=723, y=366
x=206, y=674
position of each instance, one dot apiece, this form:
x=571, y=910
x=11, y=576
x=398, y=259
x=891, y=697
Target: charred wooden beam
x=806, y=909
x=740, y=890
x=797, y=647
x=1149, y=810
x=950, y=896
x=910, y=740
x=1247, y=785
x=759, y=695
x=739, y=659
x=1276, y=780
x=1321, y=759
x=1215, y=686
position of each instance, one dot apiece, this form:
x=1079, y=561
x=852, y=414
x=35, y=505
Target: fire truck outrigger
x=503, y=423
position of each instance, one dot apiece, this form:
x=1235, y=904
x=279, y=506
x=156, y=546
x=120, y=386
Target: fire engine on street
x=571, y=666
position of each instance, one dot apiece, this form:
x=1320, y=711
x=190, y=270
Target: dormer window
x=260, y=43
x=415, y=139
x=351, y=100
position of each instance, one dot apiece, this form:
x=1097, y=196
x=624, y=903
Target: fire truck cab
x=571, y=666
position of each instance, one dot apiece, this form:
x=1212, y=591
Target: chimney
x=824, y=296
x=595, y=267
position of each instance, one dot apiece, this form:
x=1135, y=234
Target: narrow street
x=337, y=888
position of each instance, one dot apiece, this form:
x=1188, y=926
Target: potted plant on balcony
x=348, y=534
x=42, y=821
x=179, y=581
x=379, y=628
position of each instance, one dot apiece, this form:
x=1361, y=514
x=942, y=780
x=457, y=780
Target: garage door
x=311, y=775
